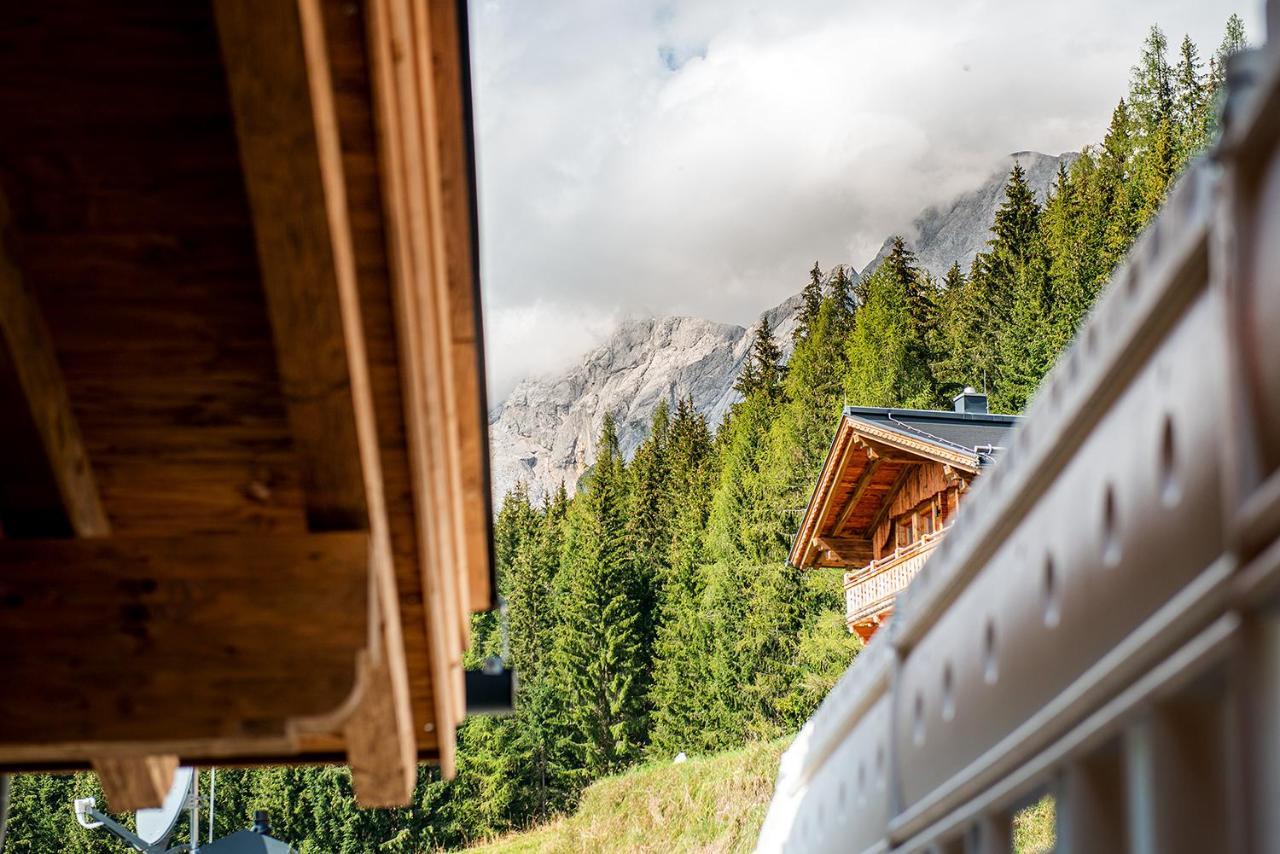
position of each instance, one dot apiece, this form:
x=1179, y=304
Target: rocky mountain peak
x=546, y=429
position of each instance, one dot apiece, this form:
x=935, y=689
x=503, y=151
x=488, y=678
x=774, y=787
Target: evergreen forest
x=653, y=612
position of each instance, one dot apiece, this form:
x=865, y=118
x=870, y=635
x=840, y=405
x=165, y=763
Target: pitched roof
x=965, y=441
x=980, y=434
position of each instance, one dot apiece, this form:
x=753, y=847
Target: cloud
x=664, y=157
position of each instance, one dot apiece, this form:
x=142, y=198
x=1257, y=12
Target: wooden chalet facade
x=891, y=484
x=244, y=498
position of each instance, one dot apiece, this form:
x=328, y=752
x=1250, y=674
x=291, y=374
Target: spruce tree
x=1191, y=102
x=1116, y=199
x=649, y=523
x=951, y=367
x=1233, y=41
x=763, y=371
x=1017, y=270
x=810, y=303
x=599, y=643
x=1151, y=98
x=881, y=365
x=841, y=301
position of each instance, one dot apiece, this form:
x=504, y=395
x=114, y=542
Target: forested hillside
x=653, y=612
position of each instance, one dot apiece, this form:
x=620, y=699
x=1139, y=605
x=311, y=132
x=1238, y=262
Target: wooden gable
x=870, y=476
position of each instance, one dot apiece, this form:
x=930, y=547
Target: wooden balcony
x=869, y=592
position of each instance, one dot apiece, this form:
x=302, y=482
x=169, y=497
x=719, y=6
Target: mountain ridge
x=545, y=431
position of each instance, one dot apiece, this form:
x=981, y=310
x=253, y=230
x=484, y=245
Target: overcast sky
x=639, y=157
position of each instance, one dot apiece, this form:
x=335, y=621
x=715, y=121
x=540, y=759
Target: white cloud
x=696, y=157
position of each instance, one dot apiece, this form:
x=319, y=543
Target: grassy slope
x=712, y=803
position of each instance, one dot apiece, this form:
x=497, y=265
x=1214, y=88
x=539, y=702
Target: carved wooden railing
x=869, y=590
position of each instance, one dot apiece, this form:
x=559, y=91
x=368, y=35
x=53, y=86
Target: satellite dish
x=156, y=824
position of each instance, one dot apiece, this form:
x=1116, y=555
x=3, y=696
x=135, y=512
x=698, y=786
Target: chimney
x=971, y=401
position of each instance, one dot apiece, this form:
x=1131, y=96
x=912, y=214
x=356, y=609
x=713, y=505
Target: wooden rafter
x=30, y=357
x=887, y=503
x=134, y=783
x=222, y=636
x=452, y=130
x=282, y=97
x=843, y=446
x=844, y=551
x=873, y=466
x=400, y=73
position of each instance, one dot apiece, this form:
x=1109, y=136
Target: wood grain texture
x=277, y=66
x=843, y=551
x=30, y=359
x=120, y=646
x=855, y=495
x=383, y=770
x=135, y=783
x=299, y=222
x=131, y=226
x=398, y=97
x=349, y=68
x=886, y=503
x=138, y=231
x=452, y=133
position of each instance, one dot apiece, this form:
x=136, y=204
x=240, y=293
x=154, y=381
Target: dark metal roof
x=980, y=434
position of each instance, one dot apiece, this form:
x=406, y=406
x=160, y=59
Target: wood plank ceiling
x=242, y=364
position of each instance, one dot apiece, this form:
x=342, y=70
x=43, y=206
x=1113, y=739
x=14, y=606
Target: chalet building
x=890, y=486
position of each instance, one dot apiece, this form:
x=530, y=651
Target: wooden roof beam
x=282, y=98
x=844, y=551
x=234, y=644
x=887, y=504
x=855, y=495
x=59, y=495
x=33, y=373
x=452, y=126
x=134, y=783
x=879, y=450
x=842, y=447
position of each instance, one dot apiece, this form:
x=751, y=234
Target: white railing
x=1102, y=620
x=869, y=590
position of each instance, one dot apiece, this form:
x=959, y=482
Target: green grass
x=1034, y=827
x=707, y=804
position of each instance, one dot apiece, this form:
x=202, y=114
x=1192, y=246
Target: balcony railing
x=870, y=590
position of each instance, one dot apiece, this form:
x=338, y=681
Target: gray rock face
x=959, y=230
x=546, y=429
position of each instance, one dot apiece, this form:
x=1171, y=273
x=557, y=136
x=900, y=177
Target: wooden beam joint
x=135, y=782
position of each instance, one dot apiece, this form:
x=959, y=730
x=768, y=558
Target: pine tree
x=1017, y=270
x=649, y=523
x=682, y=646
x=764, y=370
x=1151, y=92
x=1151, y=98
x=1233, y=41
x=841, y=301
x=876, y=352
x=810, y=303
x=599, y=643
x=1116, y=200
x=951, y=367
x=917, y=289
x=1191, y=102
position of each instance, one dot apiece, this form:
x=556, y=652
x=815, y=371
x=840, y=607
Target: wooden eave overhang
x=244, y=499
x=863, y=465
